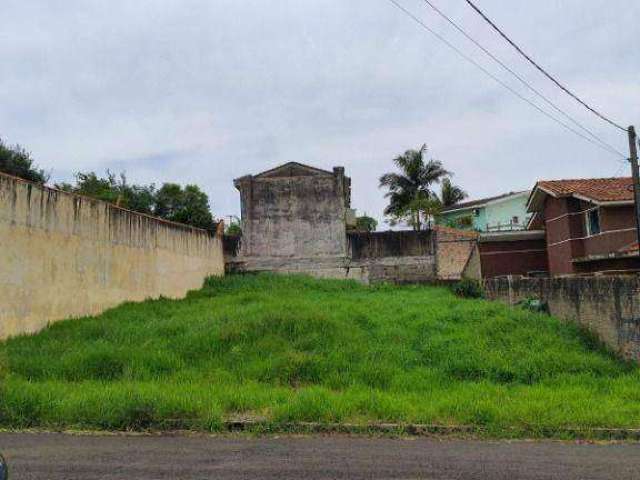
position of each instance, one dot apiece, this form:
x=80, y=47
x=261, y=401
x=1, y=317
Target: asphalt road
x=59, y=456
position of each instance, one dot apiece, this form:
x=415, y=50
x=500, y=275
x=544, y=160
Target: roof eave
x=472, y=207
x=535, y=201
x=603, y=203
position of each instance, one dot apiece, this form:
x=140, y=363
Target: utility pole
x=633, y=148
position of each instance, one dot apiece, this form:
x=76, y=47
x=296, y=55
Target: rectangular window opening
x=593, y=222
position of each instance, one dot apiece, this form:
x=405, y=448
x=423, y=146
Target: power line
x=544, y=72
x=491, y=75
x=522, y=80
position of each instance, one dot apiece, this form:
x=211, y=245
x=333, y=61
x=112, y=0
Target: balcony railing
x=506, y=227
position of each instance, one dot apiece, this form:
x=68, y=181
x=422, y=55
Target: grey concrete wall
x=607, y=306
x=63, y=255
x=369, y=245
x=294, y=212
x=397, y=257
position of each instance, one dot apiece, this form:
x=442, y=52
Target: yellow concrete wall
x=63, y=255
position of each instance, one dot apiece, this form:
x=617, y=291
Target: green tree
x=451, y=194
x=366, y=224
x=233, y=230
x=188, y=205
x=420, y=212
x=412, y=186
x=113, y=189
x=17, y=161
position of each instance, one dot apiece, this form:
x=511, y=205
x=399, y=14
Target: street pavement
x=55, y=456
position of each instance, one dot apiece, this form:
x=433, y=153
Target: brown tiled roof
x=598, y=189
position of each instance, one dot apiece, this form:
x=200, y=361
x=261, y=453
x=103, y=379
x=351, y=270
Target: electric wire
x=496, y=79
x=542, y=70
x=521, y=79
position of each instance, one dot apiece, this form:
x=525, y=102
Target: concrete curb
x=432, y=430
x=265, y=427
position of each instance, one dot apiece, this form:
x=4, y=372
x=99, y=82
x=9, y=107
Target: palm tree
x=412, y=184
x=451, y=194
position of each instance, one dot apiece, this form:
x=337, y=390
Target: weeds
x=294, y=349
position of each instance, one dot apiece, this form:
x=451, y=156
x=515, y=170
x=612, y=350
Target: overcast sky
x=205, y=91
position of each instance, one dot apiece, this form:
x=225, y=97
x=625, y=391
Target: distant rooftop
x=481, y=202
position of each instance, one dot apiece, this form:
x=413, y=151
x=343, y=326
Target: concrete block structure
x=297, y=218
x=294, y=214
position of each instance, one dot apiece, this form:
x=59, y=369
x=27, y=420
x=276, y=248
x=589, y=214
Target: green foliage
x=113, y=189
x=413, y=184
x=420, y=212
x=188, y=205
x=468, y=288
x=462, y=223
x=292, y=348
x=233, y=230
x=16, y=161
x=366, y=224
x=451, y=194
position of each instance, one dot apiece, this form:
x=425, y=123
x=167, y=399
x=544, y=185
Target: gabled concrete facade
x=294, y=211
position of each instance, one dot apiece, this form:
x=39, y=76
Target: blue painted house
x=505, y=212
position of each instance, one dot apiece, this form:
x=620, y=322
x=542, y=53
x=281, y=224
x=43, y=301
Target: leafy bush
x=468, y=288
x=17, y=161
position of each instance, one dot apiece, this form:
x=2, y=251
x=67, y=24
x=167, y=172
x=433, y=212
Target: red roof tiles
x=597, y=189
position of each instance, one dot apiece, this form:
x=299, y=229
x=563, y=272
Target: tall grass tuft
x=295, y=349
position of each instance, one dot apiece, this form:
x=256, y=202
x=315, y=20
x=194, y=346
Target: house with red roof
x=589, y=225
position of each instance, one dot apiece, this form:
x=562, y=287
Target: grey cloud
x=204, y=91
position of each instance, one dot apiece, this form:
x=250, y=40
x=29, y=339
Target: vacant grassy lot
x=290, y=349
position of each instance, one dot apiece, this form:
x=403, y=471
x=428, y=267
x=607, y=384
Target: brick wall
x=453, y=250
x=607, y=306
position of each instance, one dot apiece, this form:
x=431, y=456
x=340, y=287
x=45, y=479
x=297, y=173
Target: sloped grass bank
x=289, y=349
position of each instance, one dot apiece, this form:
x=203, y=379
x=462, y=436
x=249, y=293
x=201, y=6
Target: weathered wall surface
x=608, y=306
x=294, y=211
x=366, y=245
x=67, y=256
x=398, y=257
x=453, y=251
x=395, y=256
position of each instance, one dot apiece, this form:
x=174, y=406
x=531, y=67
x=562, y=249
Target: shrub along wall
x=66, y=256
x=608, y=306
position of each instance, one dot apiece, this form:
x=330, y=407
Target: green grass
x=293, y=349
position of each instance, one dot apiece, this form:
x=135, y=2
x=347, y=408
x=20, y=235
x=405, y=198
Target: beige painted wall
x=64, y=256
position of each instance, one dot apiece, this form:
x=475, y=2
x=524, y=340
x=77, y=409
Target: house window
x=476, y=212
x=515, y=220
x=593, y=222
